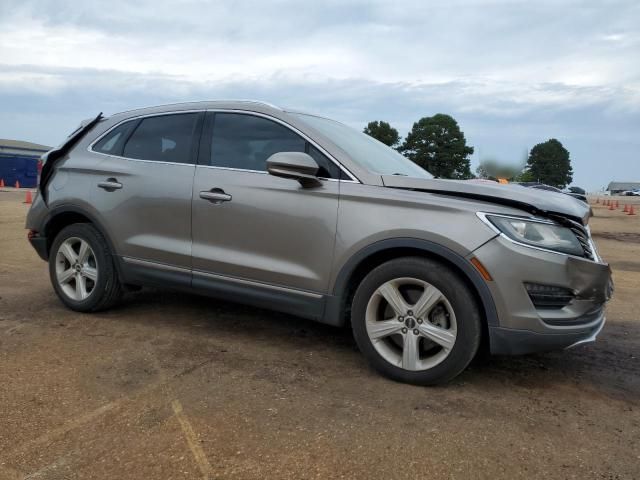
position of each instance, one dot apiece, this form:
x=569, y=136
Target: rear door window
x=165, y=138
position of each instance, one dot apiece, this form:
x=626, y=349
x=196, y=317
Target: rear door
x=143, y=191
x=258, y=227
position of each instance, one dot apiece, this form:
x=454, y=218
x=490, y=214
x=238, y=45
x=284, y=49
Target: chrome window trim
x=164, y=162
x=264, y=172
x=352, y=177
x=483, y=217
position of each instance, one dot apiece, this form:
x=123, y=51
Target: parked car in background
x=577, y=192
x=541, y=186
x=631, y=193
x=293, y=212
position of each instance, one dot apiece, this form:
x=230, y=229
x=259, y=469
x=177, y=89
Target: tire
x=96, y=271
x=425, y=347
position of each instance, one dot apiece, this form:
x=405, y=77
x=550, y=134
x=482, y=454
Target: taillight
x=31, y=234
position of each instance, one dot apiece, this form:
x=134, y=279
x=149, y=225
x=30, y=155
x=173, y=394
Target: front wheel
x=416, y=321
x=82, y=269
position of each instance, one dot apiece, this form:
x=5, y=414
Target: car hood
x=529, y=199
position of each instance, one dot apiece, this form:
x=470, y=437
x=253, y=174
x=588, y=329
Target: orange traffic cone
x=611, y=206
x=17, y=184
x=626, y=208
x=598, y=200
x=617, y=204
x=1, y=183
x=631, y=211
x=27, y=198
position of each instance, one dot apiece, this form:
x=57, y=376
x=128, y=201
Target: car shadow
x=608, y=367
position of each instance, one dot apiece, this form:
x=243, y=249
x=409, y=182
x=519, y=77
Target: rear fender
x=53, y=156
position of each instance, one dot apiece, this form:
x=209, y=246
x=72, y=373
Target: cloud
x=512, y=72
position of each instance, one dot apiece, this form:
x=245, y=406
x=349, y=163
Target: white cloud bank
x=513, y=73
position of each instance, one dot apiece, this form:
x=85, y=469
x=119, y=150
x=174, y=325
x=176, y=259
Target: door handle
x=110, y=184
x=215, y=195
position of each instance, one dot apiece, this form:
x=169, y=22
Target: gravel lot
x=171, y=386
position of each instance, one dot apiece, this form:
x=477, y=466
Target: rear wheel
x=416, y=321
x=82, y=270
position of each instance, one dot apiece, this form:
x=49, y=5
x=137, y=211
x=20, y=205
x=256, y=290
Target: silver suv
x=298, y=213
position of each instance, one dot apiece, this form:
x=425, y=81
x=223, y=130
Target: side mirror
x=295, y=165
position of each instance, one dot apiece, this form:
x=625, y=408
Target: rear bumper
x=36, y=221
x=511, y=341
x=40, y=246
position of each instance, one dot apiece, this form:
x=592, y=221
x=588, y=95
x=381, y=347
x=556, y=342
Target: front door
x=251, y=226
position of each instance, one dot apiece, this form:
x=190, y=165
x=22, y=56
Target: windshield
x=366, y=151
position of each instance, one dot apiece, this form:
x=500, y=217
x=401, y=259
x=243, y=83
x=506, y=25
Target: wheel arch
x=65, y=215
x=356, y=268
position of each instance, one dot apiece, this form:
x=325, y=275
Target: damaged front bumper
x=527, y=325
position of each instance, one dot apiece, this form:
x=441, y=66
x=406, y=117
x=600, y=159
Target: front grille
x=581, y=233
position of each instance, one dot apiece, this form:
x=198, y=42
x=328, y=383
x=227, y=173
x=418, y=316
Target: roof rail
x=258, y=102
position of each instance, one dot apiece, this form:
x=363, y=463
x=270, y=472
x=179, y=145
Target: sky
x=512, y=73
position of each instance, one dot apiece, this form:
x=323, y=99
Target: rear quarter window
x=165, y=138
x=113, y=142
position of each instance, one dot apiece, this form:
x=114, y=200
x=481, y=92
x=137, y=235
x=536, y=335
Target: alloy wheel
x=411, y=324
x=76, y=269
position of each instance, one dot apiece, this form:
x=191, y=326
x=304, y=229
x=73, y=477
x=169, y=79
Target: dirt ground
x=171, y=386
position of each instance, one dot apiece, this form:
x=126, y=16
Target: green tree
x=383, y=132
x=549, y=163
x=438, y=145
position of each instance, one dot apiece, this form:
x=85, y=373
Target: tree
x=549, y=163
x=383, y=132
x=438, y=145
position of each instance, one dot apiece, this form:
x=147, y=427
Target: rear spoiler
x=49, y=159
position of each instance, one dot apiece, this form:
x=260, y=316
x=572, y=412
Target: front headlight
x=538, y=233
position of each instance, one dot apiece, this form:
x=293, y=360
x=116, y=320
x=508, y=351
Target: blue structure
x=19, y=162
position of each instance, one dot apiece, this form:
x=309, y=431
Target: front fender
x=336, y=302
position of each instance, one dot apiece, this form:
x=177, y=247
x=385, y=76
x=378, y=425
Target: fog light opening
x=549, y=296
